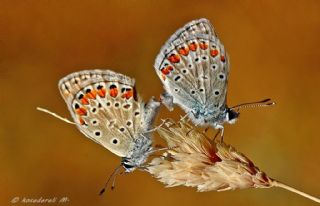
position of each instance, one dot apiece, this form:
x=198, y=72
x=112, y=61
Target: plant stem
x=284, y=186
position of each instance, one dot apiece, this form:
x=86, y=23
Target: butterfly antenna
x=262, y=103
x=113, y=177
x=113, y=186
x=55, y=115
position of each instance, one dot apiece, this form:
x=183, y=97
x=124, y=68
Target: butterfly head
x=138, y=154
x=127, y=165
x=232, y=115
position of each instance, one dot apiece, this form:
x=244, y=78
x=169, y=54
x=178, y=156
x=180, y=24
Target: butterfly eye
x=97, y=133
x=204, y=58
x=136, y=113
x=193, y=92
x=216, y=92
x=201, y=90
x=121, y=129
x=176, y=90
x=184, y=71
x=115, y=141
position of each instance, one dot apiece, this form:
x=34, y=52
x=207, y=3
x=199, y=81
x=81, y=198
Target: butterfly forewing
x=105, y=107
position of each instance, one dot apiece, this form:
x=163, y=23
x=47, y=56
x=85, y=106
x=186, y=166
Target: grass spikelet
x=195, y=160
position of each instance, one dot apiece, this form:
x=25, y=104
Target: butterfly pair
x=193, y=67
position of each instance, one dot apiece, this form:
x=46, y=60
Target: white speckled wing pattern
x=193, y=67
x=105, y=107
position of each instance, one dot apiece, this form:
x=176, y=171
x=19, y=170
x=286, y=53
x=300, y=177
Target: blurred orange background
x=274, y=52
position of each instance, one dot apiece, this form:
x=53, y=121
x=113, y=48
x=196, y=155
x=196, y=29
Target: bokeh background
x=274, y=51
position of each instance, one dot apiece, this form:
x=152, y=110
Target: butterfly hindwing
x=105, y=107
x=193, y=67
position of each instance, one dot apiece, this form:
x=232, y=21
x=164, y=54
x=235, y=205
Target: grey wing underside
x=200, y=72
x=115, y=111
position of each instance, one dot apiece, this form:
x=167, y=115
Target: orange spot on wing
x=113, y=92
x=193, y=46
x=127, y=94
x=203, y=46
x=92, y=94
x=167, y=70
x=223, y=59
x=214, y=52
x=163, y=77
x=174, y=58
x=81, y=111
x=84, y=100
x=184, y=51
x=81, y=121
x=101, y=92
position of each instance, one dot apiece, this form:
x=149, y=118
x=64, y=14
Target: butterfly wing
x=193, y=67
x=105, y=107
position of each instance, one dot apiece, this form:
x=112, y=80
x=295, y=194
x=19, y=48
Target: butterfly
x=107, y=109
x=193, y=66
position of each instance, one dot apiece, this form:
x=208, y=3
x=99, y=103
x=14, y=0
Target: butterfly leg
x=221, y=131
x=216, y=135
x=167, y=100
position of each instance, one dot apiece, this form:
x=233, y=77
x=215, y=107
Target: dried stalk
x=194, y=160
